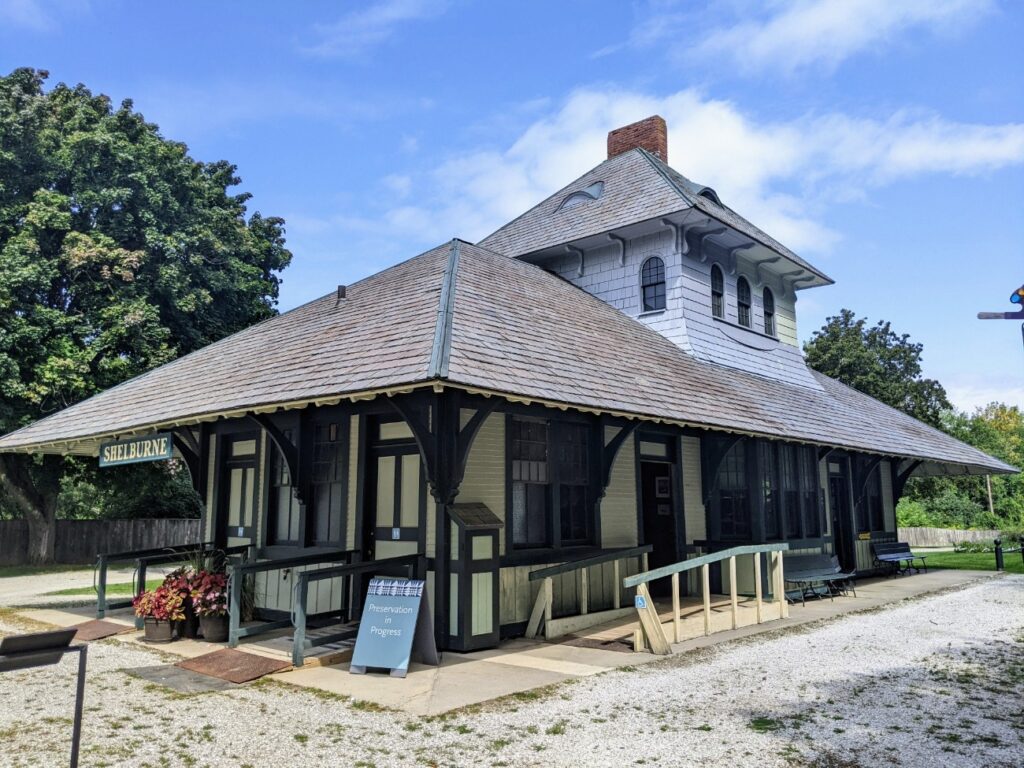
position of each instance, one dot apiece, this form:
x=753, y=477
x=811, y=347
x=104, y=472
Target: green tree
x=118, y=252
x=877, y=361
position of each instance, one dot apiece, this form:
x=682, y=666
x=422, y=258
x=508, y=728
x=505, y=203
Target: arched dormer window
x=717, y=292
x=768, y=300
x=743, y=302
x=652, y=284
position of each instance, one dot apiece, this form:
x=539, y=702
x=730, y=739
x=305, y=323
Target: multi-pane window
x=770, y=491
x=551, y=499
x=574, y=511
x=743, y=302
x=790, y=481
x=328, y=504
x=717, y=291
x=810, y=493
x=652, y=284
x=768, y=301
x=284, y=528
x=530, y=484
x=870, y=512
x=733, y=507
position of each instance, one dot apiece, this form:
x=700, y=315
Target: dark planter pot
x=189, y=627
x=158, y=631
x=214, y=628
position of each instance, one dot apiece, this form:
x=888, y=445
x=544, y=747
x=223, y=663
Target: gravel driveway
x=936, y=681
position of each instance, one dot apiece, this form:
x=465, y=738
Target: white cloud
x=778, y=174
x=362, y=29
x=30, y=14
x=971, y=396
x=798, y=34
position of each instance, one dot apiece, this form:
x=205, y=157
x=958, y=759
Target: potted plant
x=182, y=581
x=160, y=608
x=210, y=598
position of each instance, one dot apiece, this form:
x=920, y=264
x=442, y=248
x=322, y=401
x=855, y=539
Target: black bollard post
x=999, y=555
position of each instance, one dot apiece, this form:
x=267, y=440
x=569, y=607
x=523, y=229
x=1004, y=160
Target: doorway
x=658, y=512
x=236, y=499
x=842, y=519
x=395, y=502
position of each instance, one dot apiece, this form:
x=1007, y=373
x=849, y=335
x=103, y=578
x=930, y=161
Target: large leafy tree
x=879, y=362
x=118, y=252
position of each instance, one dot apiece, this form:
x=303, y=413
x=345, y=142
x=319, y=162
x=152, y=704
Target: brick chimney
x=650, y=133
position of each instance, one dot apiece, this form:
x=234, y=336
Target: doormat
x=180, y=680
x=234, y=666
x=97, y=629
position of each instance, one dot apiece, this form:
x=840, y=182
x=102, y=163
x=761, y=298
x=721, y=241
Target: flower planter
x=158, y=630
x=214, y=628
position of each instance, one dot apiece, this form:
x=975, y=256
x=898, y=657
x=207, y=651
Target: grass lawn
x=974, y=561
x=125, y=588
x=7, y=571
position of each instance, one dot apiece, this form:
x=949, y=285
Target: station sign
x=158, y=447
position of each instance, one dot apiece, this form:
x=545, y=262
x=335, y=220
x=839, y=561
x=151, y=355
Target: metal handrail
x=586, y=562
x=696, y=562
x=237, y=573
x=415, y=565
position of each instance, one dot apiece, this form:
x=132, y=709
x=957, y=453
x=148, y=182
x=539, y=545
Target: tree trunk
x=32, y=485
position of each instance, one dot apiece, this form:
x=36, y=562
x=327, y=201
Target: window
x=328, y=504
x=870, y=512
x=652, y=284
x=733, y=509
x=530, y=492
x=768, y=300
x=770, y=491
x=790, y=481
x=743, y=302
x=810, y=493
x=717, y=291
x=573, y=479
x=284, y=508
x=552, y=505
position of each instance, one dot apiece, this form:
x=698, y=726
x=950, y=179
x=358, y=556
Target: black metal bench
x=817, y=576
x=897, y=556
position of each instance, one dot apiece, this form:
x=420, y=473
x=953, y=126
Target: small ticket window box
x=473, y=621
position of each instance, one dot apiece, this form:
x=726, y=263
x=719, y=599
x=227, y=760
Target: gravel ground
x=936, y=681
x=32, y=591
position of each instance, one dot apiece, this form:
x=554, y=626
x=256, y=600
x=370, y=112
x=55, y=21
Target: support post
x=705, y=577
x=299, y=622
x=651, y=622
x=757, y=586
x=101, y=587
x=677, y=630
x=140, y=587
x=733, y=598
x=548, y=600
x=617, y=581
x=584, y=592
x=234, y=607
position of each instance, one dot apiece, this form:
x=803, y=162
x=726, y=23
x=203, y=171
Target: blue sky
x=882, y=140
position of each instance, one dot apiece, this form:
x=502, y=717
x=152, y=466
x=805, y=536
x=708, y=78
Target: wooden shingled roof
x=468, y=317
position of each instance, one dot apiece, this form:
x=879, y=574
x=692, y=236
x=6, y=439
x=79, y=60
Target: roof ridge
x=441, y=352
x=660, y=167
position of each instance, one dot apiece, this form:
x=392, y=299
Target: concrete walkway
x=32, y=590
x=520, y=666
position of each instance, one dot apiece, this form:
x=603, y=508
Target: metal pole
x=76, y=734
x=999, y=555
x=988, y=485
x=101, y=587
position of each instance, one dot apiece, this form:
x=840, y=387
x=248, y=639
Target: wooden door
x=396, y=495
x=236, y=508
x=658, y=507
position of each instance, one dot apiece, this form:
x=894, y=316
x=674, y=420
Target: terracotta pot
x=214, y=628
x=158, y=630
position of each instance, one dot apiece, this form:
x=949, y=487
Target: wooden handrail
x=277, y=564
x=697, y=562
x=586, y=562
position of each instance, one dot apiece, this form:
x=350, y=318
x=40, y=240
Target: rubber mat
x=234, y=666
x=97, y=629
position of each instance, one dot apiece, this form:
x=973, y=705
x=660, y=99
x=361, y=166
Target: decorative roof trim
x=441, y=353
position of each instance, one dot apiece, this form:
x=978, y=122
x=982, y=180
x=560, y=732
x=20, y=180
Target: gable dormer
x=670, y=253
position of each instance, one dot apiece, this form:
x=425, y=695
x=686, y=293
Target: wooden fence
x=79, y=541
x=942, y=537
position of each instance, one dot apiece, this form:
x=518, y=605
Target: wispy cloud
x=781, y=175
x=359, y=30
x=969, y=396
x=26, y=14
x=823, y=33
x=790, y=35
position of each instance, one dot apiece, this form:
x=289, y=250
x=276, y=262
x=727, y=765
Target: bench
x=897, y=556
x=817, y=576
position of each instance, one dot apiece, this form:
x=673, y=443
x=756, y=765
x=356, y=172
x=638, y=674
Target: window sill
x=650, y=313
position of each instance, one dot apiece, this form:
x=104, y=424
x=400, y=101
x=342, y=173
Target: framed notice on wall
x=662, y=487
